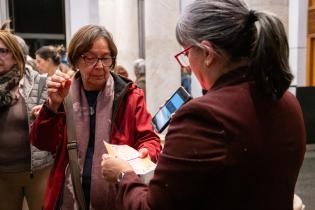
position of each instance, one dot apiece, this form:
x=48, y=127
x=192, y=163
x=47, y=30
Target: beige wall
x=120, y=18
x=163, y=76
x=278, y=7
x=162, y=70
x=163, y=73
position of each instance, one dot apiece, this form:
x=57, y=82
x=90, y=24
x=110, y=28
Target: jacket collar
x=236, y=76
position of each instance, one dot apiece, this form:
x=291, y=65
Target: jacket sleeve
x=48, y=130
x=190, y=164
x=144, y=136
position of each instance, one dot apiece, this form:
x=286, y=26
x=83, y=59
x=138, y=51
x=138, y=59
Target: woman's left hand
x=112, y=167
x=143, y=152
x=35, y=110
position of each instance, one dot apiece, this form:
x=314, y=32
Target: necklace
x=92, y=100
x=92, y=110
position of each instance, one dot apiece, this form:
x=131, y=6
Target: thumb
x=143, y=153
x=67, y=84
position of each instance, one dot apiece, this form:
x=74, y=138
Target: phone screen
x=163, y=116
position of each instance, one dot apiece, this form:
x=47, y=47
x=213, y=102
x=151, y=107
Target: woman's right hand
x=58, y=89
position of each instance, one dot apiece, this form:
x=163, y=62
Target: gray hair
x=139, y=65
x=241, y=33
x=23, y=44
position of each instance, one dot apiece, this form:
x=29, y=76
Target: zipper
x=119, y=101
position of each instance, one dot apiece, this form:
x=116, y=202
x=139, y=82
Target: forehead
x=2, y=44
x=38, y=57
x=100, y=46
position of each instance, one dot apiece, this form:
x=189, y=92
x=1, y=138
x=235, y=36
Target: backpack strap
x=73, y=154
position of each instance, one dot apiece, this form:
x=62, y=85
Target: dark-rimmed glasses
x=92, y=60
x=3, y=52
x=182, y=57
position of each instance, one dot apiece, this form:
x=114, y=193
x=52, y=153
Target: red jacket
x=131, y=125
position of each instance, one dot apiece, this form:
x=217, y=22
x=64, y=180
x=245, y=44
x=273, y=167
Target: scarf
x=8, y=82
x=102, y=193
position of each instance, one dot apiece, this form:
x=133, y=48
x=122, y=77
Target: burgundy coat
x=231, y=149
x=131, y=124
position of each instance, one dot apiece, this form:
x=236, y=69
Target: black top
x=87, y=170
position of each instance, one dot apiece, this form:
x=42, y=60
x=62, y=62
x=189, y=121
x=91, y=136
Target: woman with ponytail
x=48, y=59
x=241, y=145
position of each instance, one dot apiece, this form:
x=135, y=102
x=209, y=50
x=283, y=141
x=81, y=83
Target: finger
x=58, y=78
x=53, y=84
x=105, y=156
x=67, y=84
x=143, y=152
x=61, y=74
x=52, y=90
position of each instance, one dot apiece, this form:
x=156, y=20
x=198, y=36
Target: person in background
x=106, y=106
x=139, y=70
x=48, y=59
x=120, y=70
x=242, y=144
x=24, y=169
x=65, y=68
x=185, y=74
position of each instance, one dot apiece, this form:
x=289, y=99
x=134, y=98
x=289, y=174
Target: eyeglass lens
x=3, y=51
x=183, y=60
x=106, y=61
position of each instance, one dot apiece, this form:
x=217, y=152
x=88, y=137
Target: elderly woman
x=106, y=107
x=24, y=169
x=241, y=145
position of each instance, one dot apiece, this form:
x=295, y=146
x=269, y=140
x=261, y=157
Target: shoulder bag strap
x=73, y=155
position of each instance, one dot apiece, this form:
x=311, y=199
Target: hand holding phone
x=162, y=118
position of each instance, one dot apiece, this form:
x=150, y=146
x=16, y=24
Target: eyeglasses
x=91, y=60
x=3, y=52
x=182, y=57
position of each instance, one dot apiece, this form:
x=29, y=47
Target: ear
x=209, y=52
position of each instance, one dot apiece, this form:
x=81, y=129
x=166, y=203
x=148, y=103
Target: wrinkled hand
x=35, y=110
x=112, y=167
x=58, y=89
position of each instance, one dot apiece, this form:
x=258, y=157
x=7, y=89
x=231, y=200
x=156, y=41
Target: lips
x=98, y=77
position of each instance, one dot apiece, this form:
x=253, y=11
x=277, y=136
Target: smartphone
x=162, y=118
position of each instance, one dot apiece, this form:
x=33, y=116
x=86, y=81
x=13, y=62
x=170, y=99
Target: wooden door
x=311, y=44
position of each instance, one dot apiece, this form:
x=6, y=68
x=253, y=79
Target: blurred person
x=241, y=145
x=120, y=70
x=139, y=70
x=24, y=169
x=48, y=59
x=186, y=78
x=65, y=68
x=41, y=83
x=64, y=64
x=29, y=61
x=106, y=106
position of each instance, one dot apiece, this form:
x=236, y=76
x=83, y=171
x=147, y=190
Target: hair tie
x=251, y=18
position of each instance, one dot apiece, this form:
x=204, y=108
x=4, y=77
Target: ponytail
x=52, y=52
x=269, y=56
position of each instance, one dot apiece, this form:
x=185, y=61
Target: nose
x=99, y=64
